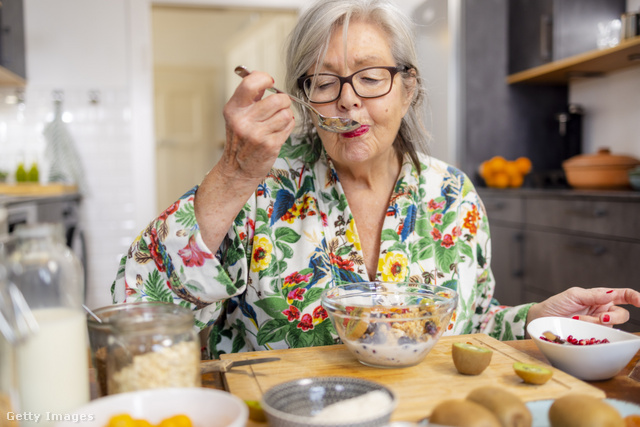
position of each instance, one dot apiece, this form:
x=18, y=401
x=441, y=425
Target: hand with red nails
x=595, y=305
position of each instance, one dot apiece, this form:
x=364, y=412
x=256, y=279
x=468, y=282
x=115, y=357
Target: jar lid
x=602, y=158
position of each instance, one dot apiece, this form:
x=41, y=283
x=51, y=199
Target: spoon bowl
x=331, y=124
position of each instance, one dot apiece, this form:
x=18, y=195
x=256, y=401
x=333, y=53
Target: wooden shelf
x=9, y=78
x=589, y=64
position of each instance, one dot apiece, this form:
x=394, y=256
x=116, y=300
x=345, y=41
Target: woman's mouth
x=357, y=132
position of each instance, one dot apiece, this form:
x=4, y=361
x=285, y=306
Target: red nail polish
x=605, y=318
x=576, y=317
x=610, y=291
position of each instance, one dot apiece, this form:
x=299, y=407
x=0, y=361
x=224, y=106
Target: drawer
x=608, y=218
x=509, y=209
x=560, y=261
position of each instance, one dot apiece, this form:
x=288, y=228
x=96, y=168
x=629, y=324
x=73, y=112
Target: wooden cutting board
x=418, y=388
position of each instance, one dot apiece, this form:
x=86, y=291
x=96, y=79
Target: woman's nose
x=348, y=98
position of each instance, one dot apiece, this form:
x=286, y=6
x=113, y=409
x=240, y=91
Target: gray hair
x=308, y=42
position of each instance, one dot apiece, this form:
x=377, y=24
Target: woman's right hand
x=256, y=128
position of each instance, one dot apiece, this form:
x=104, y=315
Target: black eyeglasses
x=371, y=82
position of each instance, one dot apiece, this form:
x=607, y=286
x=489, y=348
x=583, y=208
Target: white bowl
x=589, y=362
x=205, y=407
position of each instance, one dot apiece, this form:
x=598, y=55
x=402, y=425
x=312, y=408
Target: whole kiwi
x=506, y=406
x=462, y=413
x=580, y=410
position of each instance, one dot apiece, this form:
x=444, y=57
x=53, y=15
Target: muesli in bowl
x=388, y=324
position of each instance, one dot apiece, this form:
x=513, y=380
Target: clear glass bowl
x=387, y=324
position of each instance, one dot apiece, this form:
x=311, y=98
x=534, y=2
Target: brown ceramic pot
x=601, y=170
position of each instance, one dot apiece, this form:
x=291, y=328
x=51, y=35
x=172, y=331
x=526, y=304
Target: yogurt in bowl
x=388, y=324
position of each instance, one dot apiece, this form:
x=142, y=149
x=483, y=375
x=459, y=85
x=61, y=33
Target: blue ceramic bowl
x=296, y=403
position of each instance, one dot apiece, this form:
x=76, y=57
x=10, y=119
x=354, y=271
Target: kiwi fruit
x=580, y=410
x=532, y=374
x=506, y=406
x=470, y=359
x=462, y=413
x=256, y=413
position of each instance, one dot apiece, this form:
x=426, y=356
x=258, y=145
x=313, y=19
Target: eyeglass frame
x=349, y=79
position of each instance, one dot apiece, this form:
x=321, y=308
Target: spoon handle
x=242, y=71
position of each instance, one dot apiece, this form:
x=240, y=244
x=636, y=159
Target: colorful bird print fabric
x=297, y=237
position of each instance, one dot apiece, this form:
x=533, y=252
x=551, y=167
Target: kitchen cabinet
x=545, y=241
x=541, y=31
x=12, y=44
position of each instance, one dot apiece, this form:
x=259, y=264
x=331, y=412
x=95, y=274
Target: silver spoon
x=331, y=124
x=91, y=313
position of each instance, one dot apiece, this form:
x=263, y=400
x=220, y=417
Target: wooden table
x=620, y=387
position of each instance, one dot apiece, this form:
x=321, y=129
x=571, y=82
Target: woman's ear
x=410, y=85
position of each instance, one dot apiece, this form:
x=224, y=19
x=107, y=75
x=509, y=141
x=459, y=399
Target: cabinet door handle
x=598, y=212
x=517, y=269
x=546, y=38
x=587, y=248
x=497, y=206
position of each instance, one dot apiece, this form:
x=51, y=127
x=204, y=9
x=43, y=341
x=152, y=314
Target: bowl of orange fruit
x=499, y=172
x=161, y=407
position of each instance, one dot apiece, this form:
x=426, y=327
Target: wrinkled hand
x=256, y=128
x=596, y=305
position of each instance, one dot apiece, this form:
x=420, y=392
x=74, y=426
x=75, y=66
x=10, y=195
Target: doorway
x=194, y=52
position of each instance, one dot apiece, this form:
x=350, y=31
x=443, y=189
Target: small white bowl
x=589, y=362
x=205, y=407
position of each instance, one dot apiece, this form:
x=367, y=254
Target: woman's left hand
x=596, y=305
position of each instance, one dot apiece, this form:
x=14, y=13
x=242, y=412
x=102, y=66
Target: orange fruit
x=515, y=181
x=524, y=165
x=483, y=170
x=500, y=180
x=176, y=421
x=632, y=420
x=497, y=164
x=121, y=420
x=511, y=169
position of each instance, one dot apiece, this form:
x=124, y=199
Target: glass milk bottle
x=52, y=363
x=10, y=333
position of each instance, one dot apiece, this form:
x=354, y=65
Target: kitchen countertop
x=614, y=195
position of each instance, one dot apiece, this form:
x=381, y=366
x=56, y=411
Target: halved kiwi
x=256, y=413
x=470, y=359
x=532, y=374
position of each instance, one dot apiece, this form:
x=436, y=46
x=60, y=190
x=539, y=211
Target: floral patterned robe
x=296, y=236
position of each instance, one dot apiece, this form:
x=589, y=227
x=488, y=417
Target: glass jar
x=9, y=335
x=52, y=362
x=153, y=345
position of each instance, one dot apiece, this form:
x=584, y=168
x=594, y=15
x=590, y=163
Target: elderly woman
x=279, y=219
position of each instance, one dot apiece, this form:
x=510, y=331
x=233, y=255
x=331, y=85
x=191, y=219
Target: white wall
x=612, y=108
x=84, y=47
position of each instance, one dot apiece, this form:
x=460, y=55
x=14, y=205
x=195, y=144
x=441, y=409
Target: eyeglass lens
x=367, y=83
